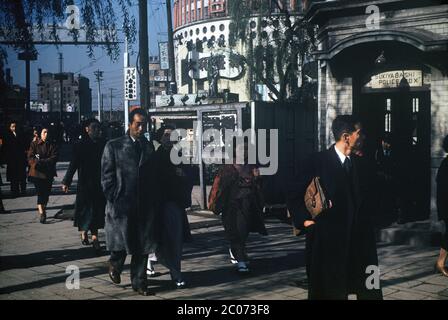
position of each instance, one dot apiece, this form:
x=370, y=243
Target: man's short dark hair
x=89, y=121
x=161, y=131
x=387, y=137
x=343, y=124
x=445, y=144
x=139, y=111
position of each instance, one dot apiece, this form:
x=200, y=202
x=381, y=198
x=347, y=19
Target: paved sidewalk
x=34, y=257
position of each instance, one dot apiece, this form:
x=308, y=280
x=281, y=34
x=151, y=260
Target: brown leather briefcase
x=315, y=200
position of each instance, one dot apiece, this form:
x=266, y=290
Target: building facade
x=201, y=31
x=76, y=94
x=158, y=80
x=386, y=62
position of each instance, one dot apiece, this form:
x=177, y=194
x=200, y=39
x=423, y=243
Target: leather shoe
x=180, y=284
x=114, y=275
x=441, y=270
x=43, y=218
x=144, y=292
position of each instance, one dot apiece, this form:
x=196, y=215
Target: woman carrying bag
x=42, y=157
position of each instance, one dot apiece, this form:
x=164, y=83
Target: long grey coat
x=128, y=185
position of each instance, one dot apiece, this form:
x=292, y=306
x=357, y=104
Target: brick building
x=76, y=93
x=157, y=79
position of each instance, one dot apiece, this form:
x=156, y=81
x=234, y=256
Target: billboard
x=163, y=55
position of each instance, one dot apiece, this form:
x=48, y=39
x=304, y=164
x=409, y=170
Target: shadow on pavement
x=46, y=257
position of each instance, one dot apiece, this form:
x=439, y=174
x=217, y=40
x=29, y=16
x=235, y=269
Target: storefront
x=386, y=62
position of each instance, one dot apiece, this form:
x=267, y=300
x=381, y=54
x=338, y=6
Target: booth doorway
x=406, y=115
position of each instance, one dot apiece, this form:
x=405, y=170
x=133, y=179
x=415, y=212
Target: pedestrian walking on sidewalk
x=174, y=187
x=129, y=186
x=90, y=201
x=15, y=149
x=442, y=209
x=42, y=157
x=239, y=199
x=340, y=241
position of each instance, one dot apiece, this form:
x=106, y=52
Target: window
x=415, y=105
x=221, y=27
x=204, y=30
x=212, y=28
x=388, y=116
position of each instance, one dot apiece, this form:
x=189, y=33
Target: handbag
x=315, y=199
x=213, y=196
x=34, y=172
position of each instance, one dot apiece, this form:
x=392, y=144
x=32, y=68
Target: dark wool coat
x=442, y=190
x=128, y=184
x=236, y=202
x=48, y=156
x=14, y=150
x=341, y=243
x=174, y=184
x=90, y=201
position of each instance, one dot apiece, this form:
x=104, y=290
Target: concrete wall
x=439, y=127
x=335, y=98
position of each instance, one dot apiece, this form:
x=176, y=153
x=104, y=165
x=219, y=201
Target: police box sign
x=396, y=79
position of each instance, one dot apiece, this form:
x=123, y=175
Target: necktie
x=138, y=148
x=347, y=165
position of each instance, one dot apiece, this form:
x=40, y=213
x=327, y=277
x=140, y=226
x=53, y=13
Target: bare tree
x=19, y=20
x=278, y=42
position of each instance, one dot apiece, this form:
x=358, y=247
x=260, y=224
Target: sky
x=76, y=59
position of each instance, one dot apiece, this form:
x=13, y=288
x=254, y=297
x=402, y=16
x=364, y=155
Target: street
x=34, y=259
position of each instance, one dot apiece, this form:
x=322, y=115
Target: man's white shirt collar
x=340, y=155
x=133, y=139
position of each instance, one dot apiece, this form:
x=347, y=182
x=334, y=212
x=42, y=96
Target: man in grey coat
x=127, y=182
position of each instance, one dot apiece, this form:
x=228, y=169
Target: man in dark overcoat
x=15, y=149
x=127, y=182
x=341, y=257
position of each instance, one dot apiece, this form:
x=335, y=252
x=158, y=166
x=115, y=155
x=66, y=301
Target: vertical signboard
x=163, y=54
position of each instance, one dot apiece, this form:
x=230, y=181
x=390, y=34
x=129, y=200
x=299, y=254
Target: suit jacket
x=128, y=185
x=341, y=243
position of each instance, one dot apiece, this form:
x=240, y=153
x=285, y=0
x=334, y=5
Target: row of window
x=204, y=30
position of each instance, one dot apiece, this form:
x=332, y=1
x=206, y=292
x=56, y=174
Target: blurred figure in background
x=15, y=155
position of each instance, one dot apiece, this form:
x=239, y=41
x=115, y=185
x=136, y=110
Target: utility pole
x=61, y=77
x=99, y=77
x=126, y=102
x=27, y=56
x=143, y=46
x=111, y=96
x=102, y=105
x=172, y=87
